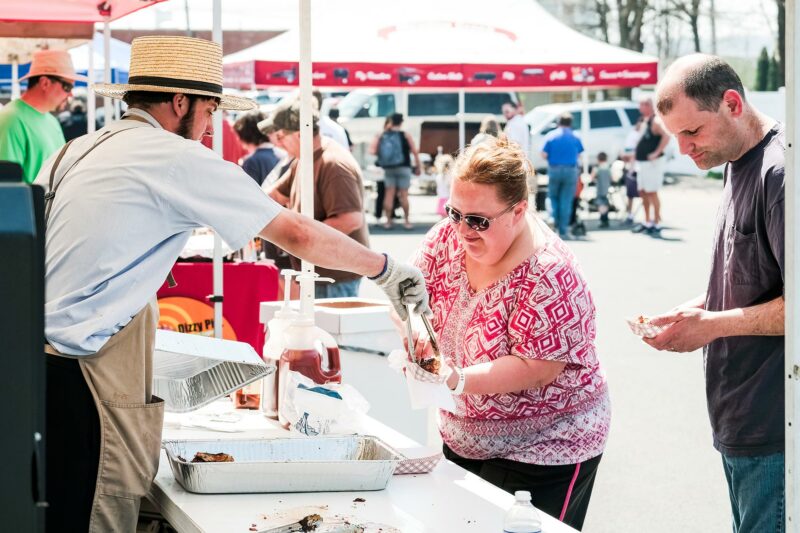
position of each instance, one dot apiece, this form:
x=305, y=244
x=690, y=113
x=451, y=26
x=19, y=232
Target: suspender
x=51, y=193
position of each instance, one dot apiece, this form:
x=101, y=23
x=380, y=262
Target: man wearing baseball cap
x=29, y=133
x=121, y=206
x=338, y=197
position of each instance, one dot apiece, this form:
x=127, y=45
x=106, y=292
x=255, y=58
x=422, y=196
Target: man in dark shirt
x=262, y=158
x=740, y=319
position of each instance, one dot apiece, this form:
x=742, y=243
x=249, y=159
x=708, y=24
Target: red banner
x=270, y=73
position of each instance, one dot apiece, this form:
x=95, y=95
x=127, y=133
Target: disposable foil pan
x=190, y=371
x=316, y=464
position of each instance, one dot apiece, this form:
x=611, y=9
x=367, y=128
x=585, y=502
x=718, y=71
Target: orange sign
x=187, y=315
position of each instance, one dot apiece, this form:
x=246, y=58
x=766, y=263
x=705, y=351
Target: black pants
x=73, y=447
x=381, y=188
x=556, y=490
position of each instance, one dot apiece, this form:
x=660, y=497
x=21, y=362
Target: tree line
x=625, y=22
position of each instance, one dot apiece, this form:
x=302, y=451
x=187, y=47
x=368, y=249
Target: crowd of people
x=512, y=311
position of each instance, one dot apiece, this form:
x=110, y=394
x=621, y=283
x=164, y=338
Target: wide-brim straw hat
x=176, y=65
x=57, y=63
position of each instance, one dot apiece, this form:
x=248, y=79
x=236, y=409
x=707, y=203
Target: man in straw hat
x=122, y=204
x=29, y=133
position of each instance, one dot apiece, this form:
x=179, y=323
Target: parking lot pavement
x=660, y=472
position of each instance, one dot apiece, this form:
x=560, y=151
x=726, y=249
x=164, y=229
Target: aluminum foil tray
x=190, y=371
x=316, y=464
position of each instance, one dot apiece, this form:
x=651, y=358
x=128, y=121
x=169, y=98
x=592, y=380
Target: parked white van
x=609, y=125
x=430, y=117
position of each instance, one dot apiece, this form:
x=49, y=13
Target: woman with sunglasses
x=515, y=323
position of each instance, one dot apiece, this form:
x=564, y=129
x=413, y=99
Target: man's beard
x=187, y=122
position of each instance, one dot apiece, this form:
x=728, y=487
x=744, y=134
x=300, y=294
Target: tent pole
x=107, y=107
x=216, y=36
x=792, y=359
x=462, y=134
x=306, y=148
x=585, y=125
x=15, y=92
x=91, y=101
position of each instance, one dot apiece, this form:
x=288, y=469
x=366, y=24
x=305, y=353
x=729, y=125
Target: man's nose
x=685, y=145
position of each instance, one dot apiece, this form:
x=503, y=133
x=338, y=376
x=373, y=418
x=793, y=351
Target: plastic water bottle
x=522, y=517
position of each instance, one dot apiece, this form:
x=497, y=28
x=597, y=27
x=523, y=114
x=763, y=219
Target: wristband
x=383, y=271
x=462, y=380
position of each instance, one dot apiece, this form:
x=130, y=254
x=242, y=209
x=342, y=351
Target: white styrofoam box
x=341, y=315
x=360, y=322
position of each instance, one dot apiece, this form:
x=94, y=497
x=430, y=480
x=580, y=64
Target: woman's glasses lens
x=476, y=222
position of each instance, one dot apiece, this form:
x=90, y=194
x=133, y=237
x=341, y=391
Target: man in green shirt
x=29, y=133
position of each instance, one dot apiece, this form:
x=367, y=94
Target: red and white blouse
x=540, y=310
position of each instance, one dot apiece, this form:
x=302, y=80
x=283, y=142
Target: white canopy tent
x=92, y=55
x=447, y=44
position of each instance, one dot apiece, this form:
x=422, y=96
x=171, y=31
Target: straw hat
x=53, y=63
x=175, y=65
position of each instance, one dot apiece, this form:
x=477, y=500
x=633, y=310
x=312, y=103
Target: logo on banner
x=445, y=76
x=371, y=75
x=583, y=74
x=187, y=315
x=625, y=75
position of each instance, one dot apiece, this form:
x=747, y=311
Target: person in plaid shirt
x=515, y=323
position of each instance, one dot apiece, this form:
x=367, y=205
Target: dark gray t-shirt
x=744, y=375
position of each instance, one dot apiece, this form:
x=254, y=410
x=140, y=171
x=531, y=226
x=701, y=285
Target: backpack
x=390, y=150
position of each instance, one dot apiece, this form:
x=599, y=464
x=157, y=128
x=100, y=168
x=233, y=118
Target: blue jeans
x=561, y=186
x=340, y=289
x=756, y=489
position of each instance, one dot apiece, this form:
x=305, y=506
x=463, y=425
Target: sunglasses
x=475, y=222
x=67, y=86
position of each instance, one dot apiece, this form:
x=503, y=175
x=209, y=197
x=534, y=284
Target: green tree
x=774, y=74
x=762, y=70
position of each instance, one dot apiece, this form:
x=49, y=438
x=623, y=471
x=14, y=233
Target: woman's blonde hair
x=498, y=162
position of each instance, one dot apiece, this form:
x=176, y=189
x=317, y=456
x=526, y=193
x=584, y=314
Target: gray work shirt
x=744, y=375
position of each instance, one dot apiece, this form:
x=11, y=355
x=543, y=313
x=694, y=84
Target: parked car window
x=633, y=114
x=490, y=103
x=604, y=118
x=421, y=105
x=379, y=105
x=576, y=122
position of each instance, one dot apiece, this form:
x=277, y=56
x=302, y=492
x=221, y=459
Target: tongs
x=410, y=334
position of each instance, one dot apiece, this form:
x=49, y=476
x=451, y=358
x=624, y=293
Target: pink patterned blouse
x=540, y=310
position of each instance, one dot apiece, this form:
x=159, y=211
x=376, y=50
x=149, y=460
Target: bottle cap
x=522, y=496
